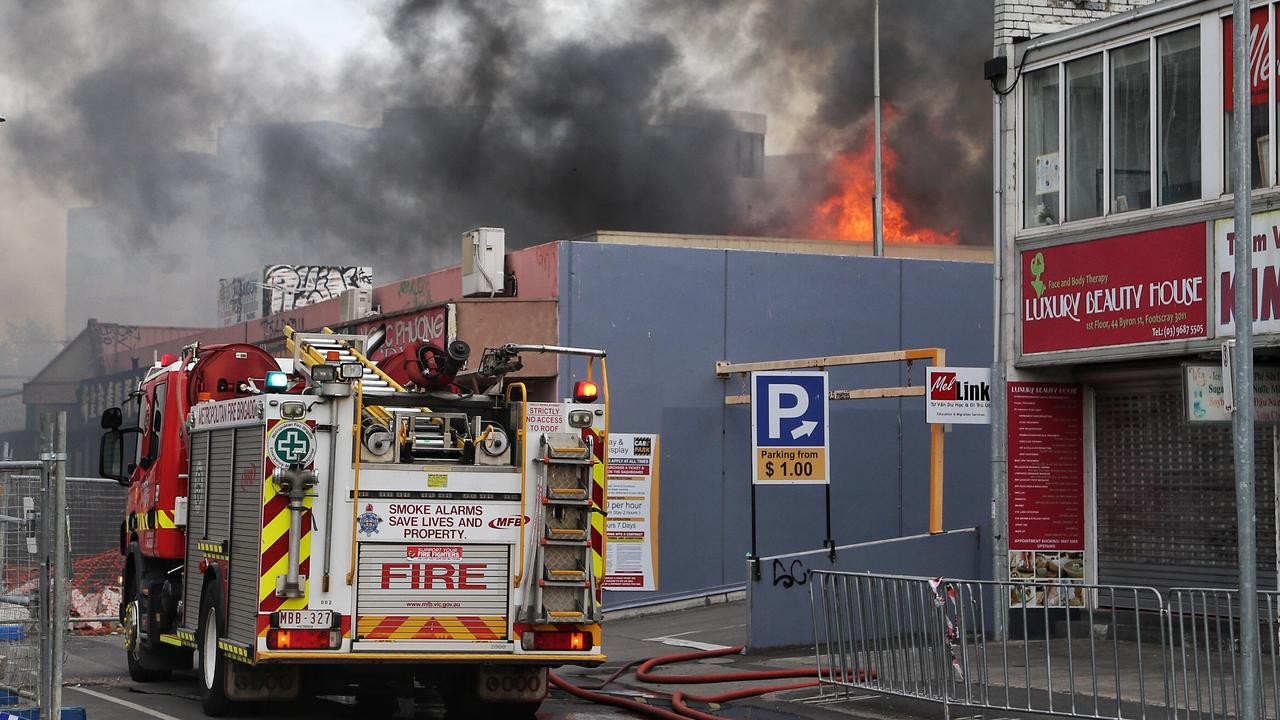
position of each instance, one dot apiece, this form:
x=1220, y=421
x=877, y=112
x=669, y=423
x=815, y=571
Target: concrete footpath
x=97, y=679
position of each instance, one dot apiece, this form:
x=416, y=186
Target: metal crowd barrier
x=1205, y=625
x=1051, y=648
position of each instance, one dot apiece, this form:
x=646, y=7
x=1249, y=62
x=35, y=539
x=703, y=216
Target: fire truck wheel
x=212, y=665
x=142, y=661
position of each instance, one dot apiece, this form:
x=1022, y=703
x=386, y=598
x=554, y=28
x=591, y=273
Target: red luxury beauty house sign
x=1139, y=288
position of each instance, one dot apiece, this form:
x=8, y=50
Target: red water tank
x=220, y=369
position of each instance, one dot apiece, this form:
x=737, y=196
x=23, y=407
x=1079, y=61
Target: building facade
x=667, y=308
x=1114, y=273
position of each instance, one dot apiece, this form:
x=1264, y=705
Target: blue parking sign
x=789, y=427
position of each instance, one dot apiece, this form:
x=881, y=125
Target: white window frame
x=1212, y=183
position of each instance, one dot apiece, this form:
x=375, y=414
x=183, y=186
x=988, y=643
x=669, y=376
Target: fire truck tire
x=145, y=664
x=211, y=663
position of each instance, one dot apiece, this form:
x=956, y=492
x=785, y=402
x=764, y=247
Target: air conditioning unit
x=483, y=251
x=356, y=303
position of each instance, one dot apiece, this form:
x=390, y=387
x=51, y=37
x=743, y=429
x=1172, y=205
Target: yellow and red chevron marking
x=275, y=549
x=153, y=520
x=275, y=543
x=599, y=444
x=431, y=627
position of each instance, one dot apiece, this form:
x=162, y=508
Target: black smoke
x=485, y=113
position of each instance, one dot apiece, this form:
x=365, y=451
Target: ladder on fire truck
x=315, y=349
x=563, y=560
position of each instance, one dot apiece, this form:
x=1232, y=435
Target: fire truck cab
x=390, y=527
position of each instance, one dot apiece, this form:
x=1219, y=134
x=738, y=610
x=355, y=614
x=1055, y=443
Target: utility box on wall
x=483, y=251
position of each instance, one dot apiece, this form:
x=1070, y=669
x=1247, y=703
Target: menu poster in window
x=631, y=528
x=1046, y=512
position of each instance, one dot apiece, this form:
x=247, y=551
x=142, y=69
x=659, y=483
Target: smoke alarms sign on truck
x=958, y=395
x=431, y=520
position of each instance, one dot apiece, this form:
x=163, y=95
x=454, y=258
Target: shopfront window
x=1260, y=68
x=1131, y=127
x=1178, y=96
x=1041, y=174
x=1084, y=138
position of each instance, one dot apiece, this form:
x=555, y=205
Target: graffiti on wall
x=239, y=299
x=430, y=324
x=294, y=286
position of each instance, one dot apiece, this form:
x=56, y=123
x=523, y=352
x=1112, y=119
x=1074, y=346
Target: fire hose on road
x=679, y=698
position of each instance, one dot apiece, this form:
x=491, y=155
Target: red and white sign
x=1139, y=288
x=958, y=395
x=431, y=324
x=1266, y=273
x=1046, y=466
x=1260, y=65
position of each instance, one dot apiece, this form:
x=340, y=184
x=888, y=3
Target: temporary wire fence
x=20, y=598
x=1057, y=648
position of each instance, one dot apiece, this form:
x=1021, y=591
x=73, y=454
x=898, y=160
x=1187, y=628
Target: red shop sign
x=1260, y=65
x=1139, y=288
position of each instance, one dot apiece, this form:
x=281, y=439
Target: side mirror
x=111, y=456
x=112, y=419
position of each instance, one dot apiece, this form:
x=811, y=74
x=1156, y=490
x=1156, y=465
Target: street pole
x=61, y=572
x=1242, y=418
x=877, y=247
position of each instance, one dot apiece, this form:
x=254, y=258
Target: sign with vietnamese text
x=789, y=427
x=958, y=395
x=631, y=528
x=1266, y=273
x=1139, y=288
x=1206, y=396
x=430, y=324
x=1046, y=503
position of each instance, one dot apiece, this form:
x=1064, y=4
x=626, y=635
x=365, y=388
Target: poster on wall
x=1046, y=511
x=631, y=528
x=239, y=299
x=1205, y=398
x=1138, y=288
x=294, y=286
x=1266, y=273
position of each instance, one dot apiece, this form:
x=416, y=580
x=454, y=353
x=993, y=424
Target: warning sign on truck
x=436, y=521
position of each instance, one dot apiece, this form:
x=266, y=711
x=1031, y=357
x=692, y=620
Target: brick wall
x=1017, y=19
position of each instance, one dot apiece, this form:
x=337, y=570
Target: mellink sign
x=1139, y=288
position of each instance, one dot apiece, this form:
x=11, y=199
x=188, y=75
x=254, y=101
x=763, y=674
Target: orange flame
x=848, y=213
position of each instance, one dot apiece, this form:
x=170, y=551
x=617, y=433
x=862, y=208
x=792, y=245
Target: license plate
x=306, y=619
x=511, y=683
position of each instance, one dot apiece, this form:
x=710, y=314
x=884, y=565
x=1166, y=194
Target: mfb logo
x=509, y=521
x=790, y=408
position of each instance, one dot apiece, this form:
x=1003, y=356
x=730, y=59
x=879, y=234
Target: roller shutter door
x=1166, y=511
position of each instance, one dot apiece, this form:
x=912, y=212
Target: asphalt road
x=97, y=679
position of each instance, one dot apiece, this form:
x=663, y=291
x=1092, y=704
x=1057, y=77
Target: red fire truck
x=389, y=526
